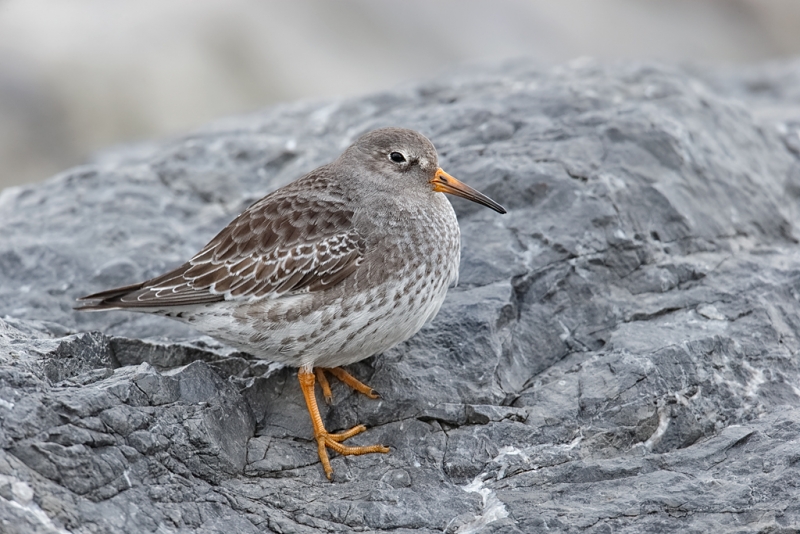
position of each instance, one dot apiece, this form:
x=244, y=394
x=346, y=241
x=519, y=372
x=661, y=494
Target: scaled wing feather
x=281, y=245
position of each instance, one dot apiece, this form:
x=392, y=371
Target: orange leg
x=323, y=384
x=348, y=379
x=326, y=440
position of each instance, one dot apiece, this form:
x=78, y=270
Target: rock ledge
x=621, y=353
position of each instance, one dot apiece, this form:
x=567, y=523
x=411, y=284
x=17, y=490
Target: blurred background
x=80, y=75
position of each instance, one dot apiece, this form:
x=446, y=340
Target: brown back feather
x=285, y=243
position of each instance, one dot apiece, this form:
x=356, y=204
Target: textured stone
x=620, y=353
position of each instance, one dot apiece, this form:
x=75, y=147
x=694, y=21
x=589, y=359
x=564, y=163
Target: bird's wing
x=288, y=242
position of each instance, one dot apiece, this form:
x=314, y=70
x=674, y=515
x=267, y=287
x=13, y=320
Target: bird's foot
x=345, y=378
x=327, y=440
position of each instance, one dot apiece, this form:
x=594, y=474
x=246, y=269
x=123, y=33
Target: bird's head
x=406, y=160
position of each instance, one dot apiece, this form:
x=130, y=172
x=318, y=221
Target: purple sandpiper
x=343, y=263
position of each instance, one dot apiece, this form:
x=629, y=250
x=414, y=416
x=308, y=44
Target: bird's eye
x=397, y=157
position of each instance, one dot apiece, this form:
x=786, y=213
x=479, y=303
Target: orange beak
x=444, y=183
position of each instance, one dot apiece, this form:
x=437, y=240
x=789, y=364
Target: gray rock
x=620, y=354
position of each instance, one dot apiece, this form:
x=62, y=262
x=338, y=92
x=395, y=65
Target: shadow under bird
x=343, y=263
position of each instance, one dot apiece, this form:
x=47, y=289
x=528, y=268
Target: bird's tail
x=108, y=299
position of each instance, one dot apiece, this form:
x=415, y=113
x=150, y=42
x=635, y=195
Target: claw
x=325, y=439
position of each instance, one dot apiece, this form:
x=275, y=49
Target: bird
x=344, y=263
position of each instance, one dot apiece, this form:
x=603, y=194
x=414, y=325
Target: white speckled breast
x=413, y=257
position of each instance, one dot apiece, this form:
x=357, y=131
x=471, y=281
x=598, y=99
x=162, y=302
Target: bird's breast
x=423, y=239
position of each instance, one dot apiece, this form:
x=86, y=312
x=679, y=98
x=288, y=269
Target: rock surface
x=621, y=353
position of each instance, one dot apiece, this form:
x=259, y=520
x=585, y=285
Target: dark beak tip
x=497, y=207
